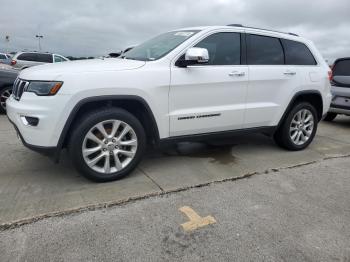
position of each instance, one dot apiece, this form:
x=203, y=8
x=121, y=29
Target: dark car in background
x=340, y=89
x=7, y=78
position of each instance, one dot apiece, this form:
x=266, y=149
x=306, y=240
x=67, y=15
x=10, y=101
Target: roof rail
x=237, y=25
x=240, y=25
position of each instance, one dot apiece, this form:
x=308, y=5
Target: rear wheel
x=5, y=93
x=107, y=145
x=330, y=116
x=298, y=128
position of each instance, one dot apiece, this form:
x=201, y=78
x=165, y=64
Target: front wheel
x=5, y=93
x=107, y=145
x=298, y=128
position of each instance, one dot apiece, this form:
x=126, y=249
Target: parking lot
x=33, y=187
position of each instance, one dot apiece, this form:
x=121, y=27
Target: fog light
x=30, y=121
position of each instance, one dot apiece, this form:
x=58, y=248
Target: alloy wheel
x=109, y=146
x=301, y=127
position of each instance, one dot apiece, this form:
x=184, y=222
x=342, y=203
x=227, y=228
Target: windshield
x=159, y=46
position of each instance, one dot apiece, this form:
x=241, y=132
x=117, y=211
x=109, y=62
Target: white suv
x=189, y=84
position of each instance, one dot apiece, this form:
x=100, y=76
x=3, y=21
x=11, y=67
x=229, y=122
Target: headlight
x=43, y=88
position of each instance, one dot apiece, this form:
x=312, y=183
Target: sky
x=98, y=27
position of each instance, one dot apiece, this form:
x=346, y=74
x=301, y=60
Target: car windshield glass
x=159, y=46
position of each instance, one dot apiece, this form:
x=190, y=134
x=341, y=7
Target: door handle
x=235, y=73
x=290, y=73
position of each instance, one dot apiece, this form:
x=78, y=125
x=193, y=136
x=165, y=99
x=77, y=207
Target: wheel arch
x=133, y=104
x=314, y=97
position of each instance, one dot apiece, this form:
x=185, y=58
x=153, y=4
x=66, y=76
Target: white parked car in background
x=5, y=58
x=23, y=60
x=190, y=84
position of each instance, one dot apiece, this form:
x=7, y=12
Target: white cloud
x=95, y=27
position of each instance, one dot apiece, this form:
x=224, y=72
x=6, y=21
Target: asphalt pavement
x=33, y=187
x=292, y=214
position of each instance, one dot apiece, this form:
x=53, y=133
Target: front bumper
x=340, y=111
x=47, y=151
x=48, y=110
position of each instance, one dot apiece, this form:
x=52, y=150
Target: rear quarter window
x=45, y=58
x=342, y=68
x=297, y=53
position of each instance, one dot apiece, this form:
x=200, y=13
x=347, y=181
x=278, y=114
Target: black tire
x=3, y=91
x=89, y=120
x=330, y=116
x=282, y=136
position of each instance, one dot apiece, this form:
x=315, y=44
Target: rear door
x=299, y=56
x=271, y=82
x=210, y=97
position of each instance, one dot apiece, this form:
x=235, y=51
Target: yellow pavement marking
x=196, y=221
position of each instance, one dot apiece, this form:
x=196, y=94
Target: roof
x=34, y=52
x=239, y=26
x=264, y=29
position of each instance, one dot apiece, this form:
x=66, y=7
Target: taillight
x=330, y=75
x=13, y=62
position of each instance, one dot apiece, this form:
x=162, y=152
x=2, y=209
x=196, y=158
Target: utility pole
x=7, y=40
x=39, y=38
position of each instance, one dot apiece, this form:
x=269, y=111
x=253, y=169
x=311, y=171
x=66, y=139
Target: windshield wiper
x=131, y=58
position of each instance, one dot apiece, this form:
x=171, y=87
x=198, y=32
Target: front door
x=211, y=97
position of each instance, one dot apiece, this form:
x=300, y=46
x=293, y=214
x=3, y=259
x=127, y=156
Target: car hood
x=52, y=71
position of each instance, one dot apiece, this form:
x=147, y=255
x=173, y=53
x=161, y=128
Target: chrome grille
x=19, y=87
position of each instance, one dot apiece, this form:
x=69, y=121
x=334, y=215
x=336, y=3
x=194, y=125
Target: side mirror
x=197, y=54
x=194, y=55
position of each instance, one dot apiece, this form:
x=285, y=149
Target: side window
x=2, y=56
x=27, y=57
x=297, y=53
x=223, y=48
x=45, y=58
x=59, y=59
x=264, y=50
